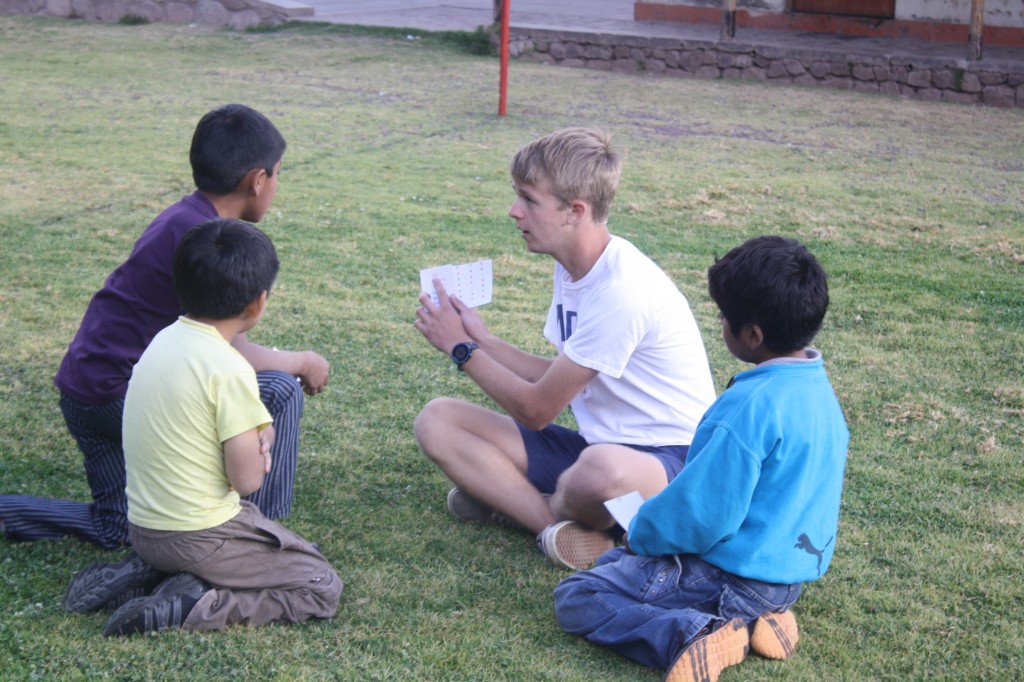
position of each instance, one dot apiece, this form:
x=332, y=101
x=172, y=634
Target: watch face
x=462, y=352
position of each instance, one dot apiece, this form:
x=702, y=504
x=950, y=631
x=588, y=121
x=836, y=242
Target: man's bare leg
x=483, y=453
x=601, y=473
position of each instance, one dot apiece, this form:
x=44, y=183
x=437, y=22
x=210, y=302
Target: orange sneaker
x=775, y=635
x=704, y=659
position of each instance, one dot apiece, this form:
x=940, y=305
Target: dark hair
x=775, y=283
x=221, y=266
x=229, y=142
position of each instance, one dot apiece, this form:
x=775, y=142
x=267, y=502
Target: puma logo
x=805, y=544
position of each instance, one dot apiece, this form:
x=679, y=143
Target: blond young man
x=630, y=363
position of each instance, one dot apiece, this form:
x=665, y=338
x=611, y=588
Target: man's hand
x=315, y=373
x=442, y=325
x=267, y=436
x=471, y=320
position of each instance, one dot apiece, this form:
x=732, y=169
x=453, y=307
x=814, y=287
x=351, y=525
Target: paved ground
x=609, y=16
x=466, y=15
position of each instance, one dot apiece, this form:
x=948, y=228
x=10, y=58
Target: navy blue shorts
x=555, y=448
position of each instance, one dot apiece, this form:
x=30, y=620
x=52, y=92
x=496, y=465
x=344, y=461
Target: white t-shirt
x=627, y=320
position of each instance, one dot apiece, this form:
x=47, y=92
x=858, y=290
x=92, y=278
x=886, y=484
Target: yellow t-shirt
x=190, y=392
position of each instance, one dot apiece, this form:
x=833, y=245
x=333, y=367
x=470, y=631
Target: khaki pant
x=260, y=571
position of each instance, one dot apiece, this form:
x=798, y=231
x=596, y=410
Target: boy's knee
x=328, y=592
x=280, y=391
x=567, y=592
x=573, y=600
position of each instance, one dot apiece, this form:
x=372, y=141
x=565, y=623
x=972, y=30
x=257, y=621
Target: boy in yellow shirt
x=196, y=438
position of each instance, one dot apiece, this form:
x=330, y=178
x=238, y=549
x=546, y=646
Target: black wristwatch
x=462, y=352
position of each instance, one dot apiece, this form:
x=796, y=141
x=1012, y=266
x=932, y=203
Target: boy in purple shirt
x=235, y=156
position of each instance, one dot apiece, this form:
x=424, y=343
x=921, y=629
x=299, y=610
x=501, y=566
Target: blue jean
x=649, y=608
x=97, y=430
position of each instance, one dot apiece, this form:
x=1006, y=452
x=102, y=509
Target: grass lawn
x=397, y=161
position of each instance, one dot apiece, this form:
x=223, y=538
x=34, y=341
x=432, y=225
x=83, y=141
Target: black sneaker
x=109, y=585
x=165, y=609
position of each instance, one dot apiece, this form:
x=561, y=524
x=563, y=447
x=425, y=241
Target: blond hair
x=579, y=163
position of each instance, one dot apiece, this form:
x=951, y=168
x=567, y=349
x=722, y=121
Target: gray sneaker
x=109, y=585
x=165, y=609
x=465, y=507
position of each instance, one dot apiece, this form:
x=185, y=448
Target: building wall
x=952, y=80
x=751, y=5
x=997, y=12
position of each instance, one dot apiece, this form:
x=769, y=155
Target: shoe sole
x=571, y=546
x=110, y=585
x=775, y=636
x=705, y=658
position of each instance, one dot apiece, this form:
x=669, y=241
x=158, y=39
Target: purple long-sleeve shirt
x=136, y=302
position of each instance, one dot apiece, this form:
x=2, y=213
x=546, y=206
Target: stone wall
x=237, y=14
x=983, y=82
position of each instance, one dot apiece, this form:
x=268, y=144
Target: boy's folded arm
x=243, y=462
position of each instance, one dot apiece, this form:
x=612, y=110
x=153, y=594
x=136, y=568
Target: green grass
x=397, y=161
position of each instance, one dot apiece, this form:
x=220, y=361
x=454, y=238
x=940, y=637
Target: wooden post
x=977, y=27
x=728, y=20
x=497, y=10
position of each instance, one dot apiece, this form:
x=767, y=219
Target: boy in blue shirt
x=713, y=563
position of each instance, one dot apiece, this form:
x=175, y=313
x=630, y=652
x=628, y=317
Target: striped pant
x=97, y=430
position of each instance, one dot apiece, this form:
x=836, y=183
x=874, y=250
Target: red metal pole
x=503, y=80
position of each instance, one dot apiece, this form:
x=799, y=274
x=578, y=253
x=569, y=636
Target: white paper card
x=624, y=508
x=470, y=282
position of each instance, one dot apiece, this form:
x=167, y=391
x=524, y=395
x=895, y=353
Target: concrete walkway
x=613, y=17
x=467, y=15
